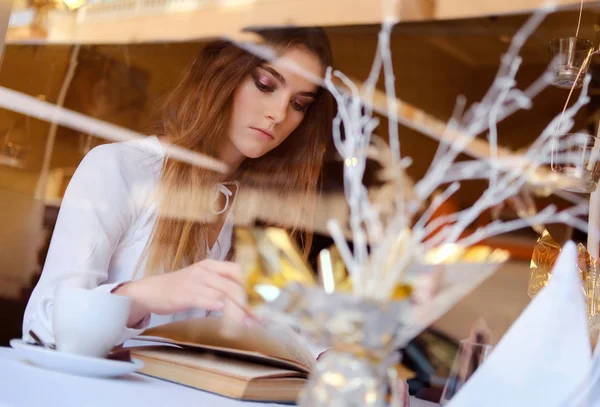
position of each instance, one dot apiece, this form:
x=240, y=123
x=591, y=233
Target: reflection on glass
x=570, y=59
x=468, y=359
x=577, y=157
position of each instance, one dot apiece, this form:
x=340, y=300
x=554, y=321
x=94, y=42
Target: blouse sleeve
x=97, y=209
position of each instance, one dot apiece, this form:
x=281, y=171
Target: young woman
x=115, y=230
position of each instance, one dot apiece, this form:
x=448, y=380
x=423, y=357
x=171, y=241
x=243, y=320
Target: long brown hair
x=196, y=114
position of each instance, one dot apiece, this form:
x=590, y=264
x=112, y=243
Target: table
x=22, y=384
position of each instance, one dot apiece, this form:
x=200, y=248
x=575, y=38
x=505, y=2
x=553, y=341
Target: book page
x=270, y=339
x=229, y=367
x=293, y=343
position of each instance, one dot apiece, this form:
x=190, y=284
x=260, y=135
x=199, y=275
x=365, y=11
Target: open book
x=266, y=362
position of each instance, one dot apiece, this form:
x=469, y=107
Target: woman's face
x=270, y=103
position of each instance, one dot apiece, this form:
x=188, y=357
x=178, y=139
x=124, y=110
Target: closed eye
x=301, y=104
x=263, y=83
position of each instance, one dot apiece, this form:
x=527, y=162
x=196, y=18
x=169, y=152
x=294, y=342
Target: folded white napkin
x=587, y=394
x=545, y=355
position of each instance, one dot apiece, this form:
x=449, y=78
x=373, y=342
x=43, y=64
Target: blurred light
x=352, y=161
x=74, y=4
x=327, y=272
x=267, y=292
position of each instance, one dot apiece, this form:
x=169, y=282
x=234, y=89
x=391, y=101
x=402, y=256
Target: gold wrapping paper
x=545, y=253
x=270, y=259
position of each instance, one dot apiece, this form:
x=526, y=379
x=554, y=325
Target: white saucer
x=74, y=364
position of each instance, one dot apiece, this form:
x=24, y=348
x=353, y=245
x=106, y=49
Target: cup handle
x=43, y=314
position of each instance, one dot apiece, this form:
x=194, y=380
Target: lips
x=263, y=132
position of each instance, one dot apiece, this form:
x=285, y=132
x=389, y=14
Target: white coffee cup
x=85, y=322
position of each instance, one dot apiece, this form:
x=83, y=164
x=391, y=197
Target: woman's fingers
x=225, y=268
x=209, y=284
x=233, y=294
x=232, y=290
x=206, y=297
x=236, y=295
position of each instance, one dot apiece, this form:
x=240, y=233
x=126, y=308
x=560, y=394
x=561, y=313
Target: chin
x=252, y=150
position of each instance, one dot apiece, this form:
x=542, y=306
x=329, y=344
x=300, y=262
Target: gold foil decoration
x=332, y=271
x=444, y=254
x=588, y=269
x=452, y=253
x=270, y=259
x=585, y=262
x=545, y=253
x=334, y=277
x=544, y=256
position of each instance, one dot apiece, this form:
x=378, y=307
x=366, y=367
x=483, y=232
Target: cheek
x=243, y=101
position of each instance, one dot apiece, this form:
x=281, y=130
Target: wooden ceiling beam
x=121, y=22
x=453, y=9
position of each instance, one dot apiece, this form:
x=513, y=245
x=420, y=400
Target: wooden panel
x=216, y=21
x=482, y=41
x=5, y=10
x=451, y=9
x=125, y=23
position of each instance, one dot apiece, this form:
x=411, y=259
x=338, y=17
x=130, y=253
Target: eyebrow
x=273, y=72
x=281, y=79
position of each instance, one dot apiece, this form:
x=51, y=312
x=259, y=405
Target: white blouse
x=105, y=221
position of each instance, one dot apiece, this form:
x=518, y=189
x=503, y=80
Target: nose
x=276, y=108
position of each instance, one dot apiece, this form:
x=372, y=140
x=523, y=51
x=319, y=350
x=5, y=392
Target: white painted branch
x=30, y=106
x=40, y=188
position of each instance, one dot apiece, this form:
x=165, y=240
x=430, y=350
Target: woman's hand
x=208, y=284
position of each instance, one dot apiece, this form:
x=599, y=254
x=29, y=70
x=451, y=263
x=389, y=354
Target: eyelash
x=299, y=107
x=265, y=88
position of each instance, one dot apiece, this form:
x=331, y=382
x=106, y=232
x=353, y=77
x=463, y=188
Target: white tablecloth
x=24, y=385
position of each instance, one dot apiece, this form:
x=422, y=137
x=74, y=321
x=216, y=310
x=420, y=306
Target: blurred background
x=119, y=83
